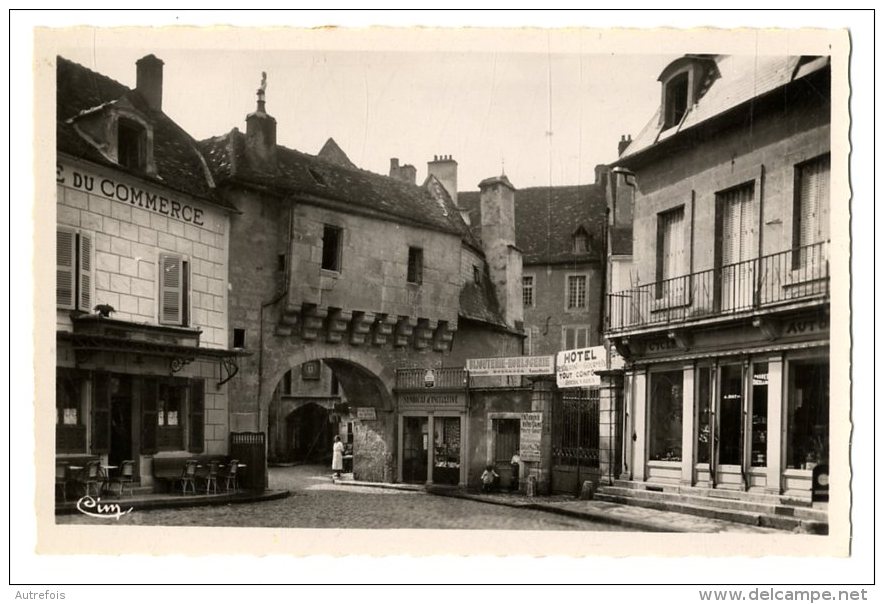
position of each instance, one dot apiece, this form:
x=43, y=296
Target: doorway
x=414, y=449
x=121, y=428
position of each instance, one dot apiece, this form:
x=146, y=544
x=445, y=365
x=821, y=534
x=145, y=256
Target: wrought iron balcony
x=791, y=277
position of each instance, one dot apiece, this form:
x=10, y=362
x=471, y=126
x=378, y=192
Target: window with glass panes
x=575, y=336
x=528, y=290
x=576, y=291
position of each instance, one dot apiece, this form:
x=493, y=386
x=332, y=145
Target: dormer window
x=131, y=144
x=580, y=242
x=676, y=99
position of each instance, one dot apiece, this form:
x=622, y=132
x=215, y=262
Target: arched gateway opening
x=316, y=395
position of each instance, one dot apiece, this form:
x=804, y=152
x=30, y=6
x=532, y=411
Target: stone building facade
x=141, y=281
x=724, y=319
x=360, y=271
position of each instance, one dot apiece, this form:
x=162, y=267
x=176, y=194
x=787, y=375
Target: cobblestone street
x=318, y=503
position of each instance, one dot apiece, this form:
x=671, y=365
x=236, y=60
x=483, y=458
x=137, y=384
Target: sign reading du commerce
x=576, y=368
x=540, y=365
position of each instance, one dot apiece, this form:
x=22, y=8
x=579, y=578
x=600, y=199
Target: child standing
x=489, y=477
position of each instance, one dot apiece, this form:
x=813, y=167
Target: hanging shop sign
x=530, y=432
x=366, y=414
x=535, y=365
x=576, y=368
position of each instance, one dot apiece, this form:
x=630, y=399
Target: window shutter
x=673, y=244
x=738, y=232
x=65, y=258
x=196, y=441
x=814, y=202
x=84, y=289
x=101, y=414
x=148, y=395
x=171, y=288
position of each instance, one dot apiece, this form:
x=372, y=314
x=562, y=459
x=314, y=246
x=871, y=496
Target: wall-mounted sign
x=419, y=401
x=310, y=370
x=530, y=432
x=576, y=368
x=366, y=414
x=429, y=379
x=535, y=365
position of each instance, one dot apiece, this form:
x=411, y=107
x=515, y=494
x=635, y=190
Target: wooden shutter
x=196, y=428
x=148, y=395
x=672, y=244
x=84, y=286
x=814, y=202
x=101, y=414
x=65, y=262
x=171, y=288
x=738, y=225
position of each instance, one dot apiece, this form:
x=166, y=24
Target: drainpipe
x=264, y=305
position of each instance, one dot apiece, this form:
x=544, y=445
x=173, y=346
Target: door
x=730, y=467
x=121, y=429
x=737, y=247
x=575, y=439
x=414, y=449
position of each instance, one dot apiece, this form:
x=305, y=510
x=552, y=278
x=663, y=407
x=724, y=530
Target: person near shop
x=514, y=464
x=338, y=457
x=489, y=479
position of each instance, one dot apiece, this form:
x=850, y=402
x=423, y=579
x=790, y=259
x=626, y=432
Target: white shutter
x=673, y=243
x=814, y=202
x=738, y=231
x=84, y=289
x=65, y=266
x=171, y=287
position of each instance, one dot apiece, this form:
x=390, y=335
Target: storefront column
x=776, y=411
x=431, y=447
x=610, y=391
x=464, y=447
x=639, y=428
x=400, y=431
x=687, y=427
x=628, y=410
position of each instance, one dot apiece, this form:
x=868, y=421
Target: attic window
x=131, y=144
x=580, y=242
x=320, y=180
x=676, y=100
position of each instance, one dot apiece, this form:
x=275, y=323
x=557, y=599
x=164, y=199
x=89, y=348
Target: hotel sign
x=576, y=368
x=536, y=365
x=420, y=401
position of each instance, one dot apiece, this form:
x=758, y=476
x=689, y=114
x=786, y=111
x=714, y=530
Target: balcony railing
x=781, y=278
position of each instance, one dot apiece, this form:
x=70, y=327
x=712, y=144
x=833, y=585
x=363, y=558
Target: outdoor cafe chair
x=93, y=475
x=126, y=476
x=230, y=476
x=62, y=477
x=188, y=476
x=212, y=477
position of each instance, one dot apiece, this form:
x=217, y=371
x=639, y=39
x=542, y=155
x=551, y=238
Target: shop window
x=73, y=274
x=170, y=409
x=415, y=265
x=575, y=292
x=131, y=144
x=331, y=248
x=506, y=439
x=676, y=100
x=70, y=429
x=758, y=457
x=528, y=291
x=575, y=337
x=665, y=416
x=174, y=290
x=808, y=422
x=446, y=458
x=704, y=414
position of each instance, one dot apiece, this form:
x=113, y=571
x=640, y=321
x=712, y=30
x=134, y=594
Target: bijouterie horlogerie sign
x=535, y=365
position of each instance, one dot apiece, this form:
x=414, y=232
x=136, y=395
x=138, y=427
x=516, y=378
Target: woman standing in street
x=338, y=457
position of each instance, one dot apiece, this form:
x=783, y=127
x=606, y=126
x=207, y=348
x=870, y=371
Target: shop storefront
x=432, y=430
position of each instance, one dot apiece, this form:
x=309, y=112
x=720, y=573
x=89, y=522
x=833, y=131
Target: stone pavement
x=615, y=514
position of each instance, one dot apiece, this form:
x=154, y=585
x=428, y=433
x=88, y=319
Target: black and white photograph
x=464, y=291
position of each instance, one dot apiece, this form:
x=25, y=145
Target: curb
x=394, y=486
x=142, y=505
x=545, y=507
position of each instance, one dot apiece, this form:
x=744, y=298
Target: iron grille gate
x=575, y=438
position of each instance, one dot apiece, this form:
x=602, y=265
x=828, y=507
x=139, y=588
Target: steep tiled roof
x=178, y=161
x=478, y=302
x=312, y=176
x=740, y=79
x=547, y=218
x=331, y=152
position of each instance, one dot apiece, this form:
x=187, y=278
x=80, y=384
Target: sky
x=542, y=117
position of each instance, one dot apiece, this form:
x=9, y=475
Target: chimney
x=261, y=134
x=497, y=204
x=406, y=173
x=624, y=142
x=149, y=81
x=601, y=174
x=445, y=170
x=622, y=197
